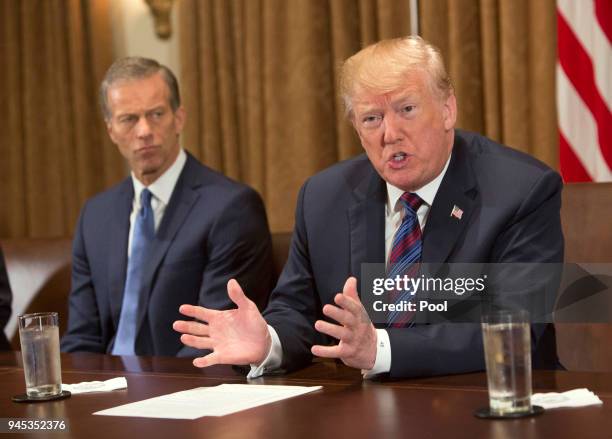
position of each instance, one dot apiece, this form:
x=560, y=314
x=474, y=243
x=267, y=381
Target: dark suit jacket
x=511, y=213
x=5, y=304
x=213, y=229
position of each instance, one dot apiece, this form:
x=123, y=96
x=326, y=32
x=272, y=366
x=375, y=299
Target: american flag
x=584, y=89
x=456, y=212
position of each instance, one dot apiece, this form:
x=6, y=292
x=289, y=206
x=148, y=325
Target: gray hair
x=135, y=67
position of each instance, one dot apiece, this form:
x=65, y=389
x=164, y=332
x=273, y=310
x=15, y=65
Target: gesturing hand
x=357, y=336
x=236, y=336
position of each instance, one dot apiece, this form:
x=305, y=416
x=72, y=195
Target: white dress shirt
x=394, y=213
x=161, y=191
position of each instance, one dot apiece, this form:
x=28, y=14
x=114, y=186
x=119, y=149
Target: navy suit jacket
x=213, y=229
x=511, y=213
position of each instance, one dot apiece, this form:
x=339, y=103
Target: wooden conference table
x=346, y=407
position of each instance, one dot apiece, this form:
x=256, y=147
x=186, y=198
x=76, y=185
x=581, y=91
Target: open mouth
x=398, y=160
x=399, y=156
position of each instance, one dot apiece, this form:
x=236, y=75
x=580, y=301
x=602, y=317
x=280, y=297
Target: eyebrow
x=126, y=114
x=410, y=95
x=132, y=113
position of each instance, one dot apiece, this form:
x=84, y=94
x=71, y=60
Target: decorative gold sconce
x=161, y=15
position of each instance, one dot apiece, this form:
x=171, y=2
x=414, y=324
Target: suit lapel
x=181, y=202
x=457, y=190
x=118, y=248
x=367, y=222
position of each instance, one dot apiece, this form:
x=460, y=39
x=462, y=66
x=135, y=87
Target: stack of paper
x=207, y=401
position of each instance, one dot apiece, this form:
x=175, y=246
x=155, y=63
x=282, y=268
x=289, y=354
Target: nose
x=143, y=128
x=392, y=129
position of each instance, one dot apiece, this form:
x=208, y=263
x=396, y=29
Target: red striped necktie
x=405, y=255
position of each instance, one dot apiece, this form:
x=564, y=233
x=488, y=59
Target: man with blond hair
x=436, y=193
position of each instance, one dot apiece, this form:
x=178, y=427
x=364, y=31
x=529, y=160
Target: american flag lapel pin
x=456, y=212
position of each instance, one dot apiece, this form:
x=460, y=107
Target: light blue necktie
x=144, y=233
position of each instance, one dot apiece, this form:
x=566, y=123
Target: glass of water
x=39, y=336
x=507, y=346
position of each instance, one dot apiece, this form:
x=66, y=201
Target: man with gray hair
x=423, y=192
x=173, y=232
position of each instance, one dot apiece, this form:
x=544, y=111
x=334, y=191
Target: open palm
x=236, y=336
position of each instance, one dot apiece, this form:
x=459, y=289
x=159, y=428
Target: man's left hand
x=357, y=335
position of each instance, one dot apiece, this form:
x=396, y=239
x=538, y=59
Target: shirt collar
x=162, y=187
x=427, y=192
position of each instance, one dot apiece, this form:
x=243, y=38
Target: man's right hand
x=236, y=336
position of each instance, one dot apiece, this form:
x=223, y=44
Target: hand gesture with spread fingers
x=236, y=336
x=355, y=332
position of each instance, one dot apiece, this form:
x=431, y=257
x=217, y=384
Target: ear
x=179, y=119
x=450, y=112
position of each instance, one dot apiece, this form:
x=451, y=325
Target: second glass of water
x=507, y=346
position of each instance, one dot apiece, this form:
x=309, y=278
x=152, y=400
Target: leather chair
x=586, y=215
x=280, y=250
x=39, y=274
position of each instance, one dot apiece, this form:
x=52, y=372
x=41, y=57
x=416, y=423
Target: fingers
x=340, y=315
x=198, y=312
x=207, y=360
x=197, y=342
x=193, y=328
x=326, y=351
x=236, y=295
x=349, y=299
x=350, y=288
x=348, y=303
x=348, y=312
x=332, y=330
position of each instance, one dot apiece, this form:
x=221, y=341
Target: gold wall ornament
x=161, y=15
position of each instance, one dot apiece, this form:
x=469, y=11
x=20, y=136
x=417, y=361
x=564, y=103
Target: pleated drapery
x=260, y=80
x=54, y=150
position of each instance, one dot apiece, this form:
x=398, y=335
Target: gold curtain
x=54, y=151
x=259, y=86
x=259, y=80
x=501, y=55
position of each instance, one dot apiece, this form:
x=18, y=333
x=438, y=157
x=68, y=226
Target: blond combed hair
x=384, y=67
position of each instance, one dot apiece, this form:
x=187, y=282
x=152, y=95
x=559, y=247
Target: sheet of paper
x=207, y=401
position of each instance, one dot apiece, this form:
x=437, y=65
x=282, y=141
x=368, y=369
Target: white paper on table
x=208, y=401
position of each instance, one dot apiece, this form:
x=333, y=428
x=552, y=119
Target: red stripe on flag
x=571, y=167
x=603, y=12
x=579, y=69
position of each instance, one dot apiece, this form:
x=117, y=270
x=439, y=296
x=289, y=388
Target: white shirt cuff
x=272, y=361
x=382, y=364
